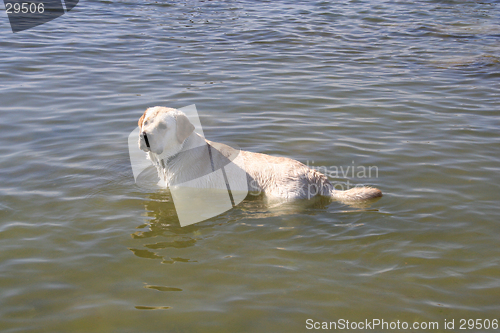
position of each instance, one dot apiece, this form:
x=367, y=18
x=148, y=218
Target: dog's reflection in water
x=161, y=209
x=164, y=232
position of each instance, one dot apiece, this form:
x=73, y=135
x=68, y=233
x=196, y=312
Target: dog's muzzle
x=146, y=139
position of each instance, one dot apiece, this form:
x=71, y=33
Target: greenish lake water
x=411, y=89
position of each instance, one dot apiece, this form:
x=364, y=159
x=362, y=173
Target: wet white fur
x=278, y=177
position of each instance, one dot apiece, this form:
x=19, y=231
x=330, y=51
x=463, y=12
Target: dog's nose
x=146, y=139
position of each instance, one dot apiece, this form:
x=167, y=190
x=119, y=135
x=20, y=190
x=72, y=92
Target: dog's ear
x=141, y=120
x=184, y=127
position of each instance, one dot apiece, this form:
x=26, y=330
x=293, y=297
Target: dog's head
x=163, y=130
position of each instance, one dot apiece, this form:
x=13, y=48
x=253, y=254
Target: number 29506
x=24, y=7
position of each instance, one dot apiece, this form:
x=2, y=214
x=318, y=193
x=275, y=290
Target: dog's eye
x=162, y=126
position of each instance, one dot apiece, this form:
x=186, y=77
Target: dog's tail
x=356, y=194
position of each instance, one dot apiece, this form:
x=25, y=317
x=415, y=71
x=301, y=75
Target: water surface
x=409, y=88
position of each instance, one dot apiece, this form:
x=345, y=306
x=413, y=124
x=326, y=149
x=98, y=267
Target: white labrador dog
x=180, y=154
